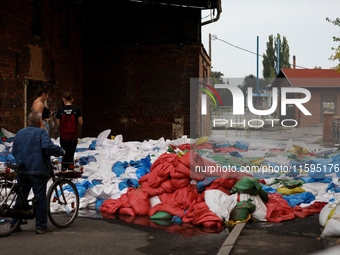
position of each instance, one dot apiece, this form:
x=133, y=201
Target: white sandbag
x=154, y=201
x=261, y=209
x=102, y=136
x=315, y=187
x=7, y=133
x=83, y=203
x=332, y=228
x=220, y=203
x=324, y=213
x=280, y=160
x=218, y=139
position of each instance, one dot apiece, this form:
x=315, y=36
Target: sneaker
x=42, y=230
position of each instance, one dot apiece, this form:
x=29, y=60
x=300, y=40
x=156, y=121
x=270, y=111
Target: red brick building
x=40, y=43
x=127, y=63
x=324, y=87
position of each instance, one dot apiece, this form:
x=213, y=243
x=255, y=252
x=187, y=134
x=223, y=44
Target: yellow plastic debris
x=202, y=139
x=286, y=191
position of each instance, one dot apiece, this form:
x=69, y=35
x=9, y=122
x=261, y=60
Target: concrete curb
x=231, y=239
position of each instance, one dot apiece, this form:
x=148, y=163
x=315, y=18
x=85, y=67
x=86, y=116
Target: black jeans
x=38, y=184
x=70, y=148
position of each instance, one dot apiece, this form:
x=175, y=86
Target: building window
x=36, y=17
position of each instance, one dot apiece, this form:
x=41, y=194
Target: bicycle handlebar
x=15, y=166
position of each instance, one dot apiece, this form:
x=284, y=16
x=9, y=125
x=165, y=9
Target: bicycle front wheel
x=8, y=199
x=62, y=203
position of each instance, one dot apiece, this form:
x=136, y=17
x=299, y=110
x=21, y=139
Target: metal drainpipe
x=219, y=10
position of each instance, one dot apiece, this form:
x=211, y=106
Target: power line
x=249, y=51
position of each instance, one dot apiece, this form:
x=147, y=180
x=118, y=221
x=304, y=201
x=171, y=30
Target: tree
x=217, y=77
x=336, y=56
x=270, y=58
x=251, y=81
x=225, y=94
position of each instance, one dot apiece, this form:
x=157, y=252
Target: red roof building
x=324, y=88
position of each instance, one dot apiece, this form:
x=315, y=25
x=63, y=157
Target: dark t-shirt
x=68, y=109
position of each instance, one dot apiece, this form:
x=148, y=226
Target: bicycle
x=62, y=199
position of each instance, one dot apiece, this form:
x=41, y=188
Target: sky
x=302, y=22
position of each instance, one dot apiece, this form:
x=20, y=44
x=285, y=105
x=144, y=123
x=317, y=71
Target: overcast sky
x=302, y=22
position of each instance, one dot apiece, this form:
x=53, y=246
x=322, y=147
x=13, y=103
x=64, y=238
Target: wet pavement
x=98, y=235
x=278, y=136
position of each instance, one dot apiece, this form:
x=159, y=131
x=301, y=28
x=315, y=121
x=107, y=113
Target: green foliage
x=217, y=77
x=225, y=94
x=336, y=55
x=270, y=57
x=250, y=81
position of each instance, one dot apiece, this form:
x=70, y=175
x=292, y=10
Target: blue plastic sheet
x=119, y=167
x=235, y=154
x=333, y=187
x=243, y=145
x=268, y=189
x=201, y=185
x=87, y=159
x=128, y=183
x=296, y=199
x=99, y=203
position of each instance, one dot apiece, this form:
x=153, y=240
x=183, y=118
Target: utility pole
x=210, y=46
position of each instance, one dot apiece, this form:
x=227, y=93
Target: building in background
x=324, y=87
x=127, y=63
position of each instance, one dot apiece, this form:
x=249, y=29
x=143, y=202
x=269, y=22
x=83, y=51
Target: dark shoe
x=42, y=230
x=18, y=229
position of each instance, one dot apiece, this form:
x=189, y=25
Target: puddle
x=186, y=229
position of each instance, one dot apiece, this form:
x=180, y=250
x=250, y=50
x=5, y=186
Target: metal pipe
x=219, y=10
x=257, y=77
x=278, y=56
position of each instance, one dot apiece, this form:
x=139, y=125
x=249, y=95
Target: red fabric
x=154, y=180
x=180, y=183
x=180, y=171
x=182, y=147
x=139, y=200
x=203, y=215
x=144, y=178
x=205, y=145
x=112, y=205
x=227, y=183
x=168, y=186
x=152, y=192
x=162, y=159
x=278, y=209
x=127, y=211
x=172, y=208
x=310, y=210
x=262, y=181
x=227, y=149
x=184, y=195
x=185, y=159
x=163, y=170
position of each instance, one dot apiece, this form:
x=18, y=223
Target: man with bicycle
x=34, y=147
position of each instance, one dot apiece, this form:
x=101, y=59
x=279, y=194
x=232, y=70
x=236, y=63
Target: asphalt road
x=114, y=236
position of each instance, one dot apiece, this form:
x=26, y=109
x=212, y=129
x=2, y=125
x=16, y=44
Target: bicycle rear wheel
x=62, y=203
x=8, y=198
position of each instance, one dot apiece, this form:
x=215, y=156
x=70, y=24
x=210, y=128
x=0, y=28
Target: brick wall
x=139, y=91
x=24, y=56
x=314, y=105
